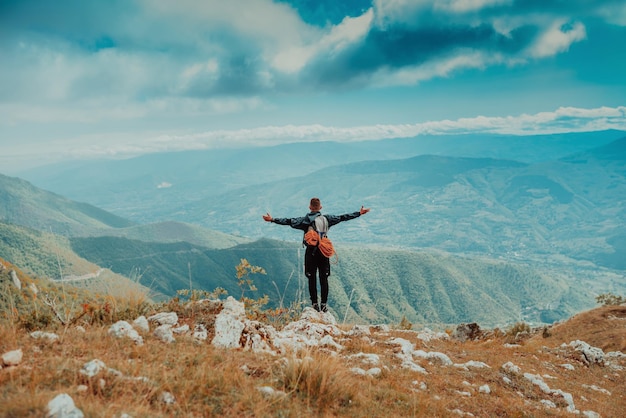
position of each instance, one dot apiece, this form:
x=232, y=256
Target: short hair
x=315, y=203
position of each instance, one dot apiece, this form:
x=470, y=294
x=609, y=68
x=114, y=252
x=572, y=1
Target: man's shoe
x=324, y=308
x=316, y=307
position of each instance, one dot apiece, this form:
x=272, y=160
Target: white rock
x=48, y=336
x=547, y=403
x=164, y=318
x=511, y=368
x=234, y=307
x=12, y=358
x=164, y=333
x=122, y=329
x=270, y=391
x=359, y=331
x=167, y=398
x=428, y=335
x=374, y=372
x=591, y=414
x=93, y=368
x=181, y=330
x=590, y=355
x=142, y=324
x=369, y=358
x=228, y=329
x=33, y=288
x=473, y=363
x=484, y=389
x=568, y=366
x=62, y=406
x=597, y=389
x=15, y=279
x=433, y=355
x=358, y=370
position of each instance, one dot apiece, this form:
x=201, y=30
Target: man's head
x=315, y=204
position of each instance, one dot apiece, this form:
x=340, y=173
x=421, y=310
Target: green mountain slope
x=50, y=257
x=170, y=231
x=22, y=203
x=368, y=285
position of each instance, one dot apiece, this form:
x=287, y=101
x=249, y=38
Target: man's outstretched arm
x=335, y=219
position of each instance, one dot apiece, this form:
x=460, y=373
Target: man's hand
x=268, y=218
x=363, y=210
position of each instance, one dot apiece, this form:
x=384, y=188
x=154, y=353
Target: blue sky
x=117, y=78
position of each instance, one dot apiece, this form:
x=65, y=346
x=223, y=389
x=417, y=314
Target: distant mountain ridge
x=371, y=285
x=24, y=204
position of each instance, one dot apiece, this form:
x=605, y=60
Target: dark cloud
x=324, y=12
x=416, y=34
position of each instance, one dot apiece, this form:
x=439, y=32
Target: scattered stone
x=369, y=358
x=142, y=324
x=167, y=398
x=164, y=333
x=15, y=279
x=547, y=403
x=597, y=389
x=511, y=368
x=93, y=368
x=164, y=318
x=359, y=331
x=433, y=355
x=62, y=406
x=122, y=329
x=484, y=389
x=465, y=332
x=427, y=335
x=568, y=366
x=229, y=324
x=181, y=330
x=12, y=358
x=270, y=392
x=48, y=336
x=589, y=355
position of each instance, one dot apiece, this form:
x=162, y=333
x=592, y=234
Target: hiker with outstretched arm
x=315, y=260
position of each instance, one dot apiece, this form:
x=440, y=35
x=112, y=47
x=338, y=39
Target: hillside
x=23, y=204
x=171, y=231
x=367, y=285
x=209, y=358
x=50, y=258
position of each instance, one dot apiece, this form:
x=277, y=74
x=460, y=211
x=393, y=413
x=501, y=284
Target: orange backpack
x=316, y=236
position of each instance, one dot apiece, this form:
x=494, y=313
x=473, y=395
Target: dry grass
x=212, y=382
x=318, y=382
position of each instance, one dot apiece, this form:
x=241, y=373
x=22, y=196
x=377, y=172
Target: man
x=314, y=260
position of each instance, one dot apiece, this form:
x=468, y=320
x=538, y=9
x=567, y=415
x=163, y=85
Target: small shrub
x=609, y=299
x=405, y=324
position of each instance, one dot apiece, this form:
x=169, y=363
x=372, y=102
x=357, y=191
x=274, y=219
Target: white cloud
x=350, y=30
x=557, y=38
x=462, y=6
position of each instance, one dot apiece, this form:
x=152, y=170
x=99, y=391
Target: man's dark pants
x=315, y=262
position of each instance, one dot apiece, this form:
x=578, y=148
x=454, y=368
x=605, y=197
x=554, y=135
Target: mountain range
x=475, y=235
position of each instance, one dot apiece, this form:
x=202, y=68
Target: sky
x=83, y=79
